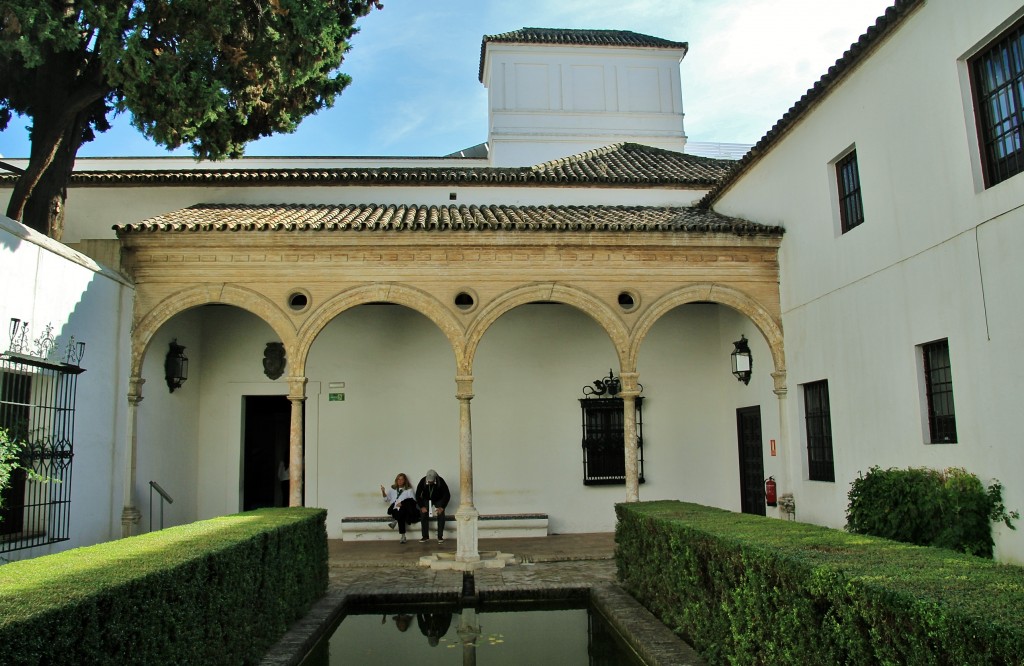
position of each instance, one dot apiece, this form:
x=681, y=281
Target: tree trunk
x=39, y=193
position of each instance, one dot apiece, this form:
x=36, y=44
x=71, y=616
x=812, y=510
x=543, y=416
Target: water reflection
x=489, y=635
x=434, y=625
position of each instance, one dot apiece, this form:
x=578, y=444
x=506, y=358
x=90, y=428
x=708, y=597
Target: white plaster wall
x=937, y=257
x=399, y=413
x=168, y=427
x=92, y=211
x=547, y=101
x=46, y=282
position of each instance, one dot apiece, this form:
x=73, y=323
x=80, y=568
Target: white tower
x=557, y=92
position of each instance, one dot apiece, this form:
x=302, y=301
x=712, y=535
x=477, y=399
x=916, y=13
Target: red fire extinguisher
x=770, y=497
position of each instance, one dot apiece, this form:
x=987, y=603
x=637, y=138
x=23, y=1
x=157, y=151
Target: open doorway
x=266, y=429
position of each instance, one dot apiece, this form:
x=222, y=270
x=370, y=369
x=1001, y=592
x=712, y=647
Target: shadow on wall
x=63, y=295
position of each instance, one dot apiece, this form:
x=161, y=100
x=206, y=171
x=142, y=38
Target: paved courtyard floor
x=556, y=566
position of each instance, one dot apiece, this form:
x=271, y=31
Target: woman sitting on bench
x=401, y=502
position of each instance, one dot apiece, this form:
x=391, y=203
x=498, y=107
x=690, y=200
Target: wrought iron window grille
x=604, y=451
x=851, y=205
x=938, y=379
x=37, y=409
x=997, y=83
x=818, y=421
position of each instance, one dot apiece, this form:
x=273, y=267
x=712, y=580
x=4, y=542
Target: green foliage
x=949, y=509
x=752, y=590
x=11, y=461
x=209, y=74
x=219, y=591
x=8, y=460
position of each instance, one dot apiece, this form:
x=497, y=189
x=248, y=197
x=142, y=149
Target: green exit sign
x=336, y=397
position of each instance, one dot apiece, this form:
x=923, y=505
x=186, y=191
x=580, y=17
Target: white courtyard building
x=455, y=313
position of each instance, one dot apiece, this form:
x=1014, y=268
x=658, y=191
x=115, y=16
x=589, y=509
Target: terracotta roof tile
x=576, y=37
x=621, y=164
x=635, y=164
x=380, y=217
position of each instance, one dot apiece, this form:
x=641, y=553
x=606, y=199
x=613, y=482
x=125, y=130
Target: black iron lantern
x=175, y=366
x=742, y=361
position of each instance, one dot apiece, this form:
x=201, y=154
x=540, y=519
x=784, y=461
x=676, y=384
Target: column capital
x=135, y=389
x=780, y=383
x=630, y=387
x=297, y=387
x=464, y=387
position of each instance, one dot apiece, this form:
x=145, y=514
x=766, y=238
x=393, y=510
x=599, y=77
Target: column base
x=130, y=516
x=486, y=560
x=467, y=520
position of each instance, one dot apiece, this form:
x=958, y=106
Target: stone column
x=467, y=516
x=630, y=390
x=296, y=448
x=130, y=514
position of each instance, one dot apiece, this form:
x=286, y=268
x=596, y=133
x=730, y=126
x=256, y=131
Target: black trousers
x=425, y=526
x=407, y=513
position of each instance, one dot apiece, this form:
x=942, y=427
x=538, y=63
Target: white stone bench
x=375, y=528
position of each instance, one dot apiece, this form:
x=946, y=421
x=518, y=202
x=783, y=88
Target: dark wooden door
x=748, y=428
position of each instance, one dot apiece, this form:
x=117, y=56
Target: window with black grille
x=37, y=409
x=604, y=451
x=997, y=83
x=818, y=421
x=938, y=386
x=851, y=207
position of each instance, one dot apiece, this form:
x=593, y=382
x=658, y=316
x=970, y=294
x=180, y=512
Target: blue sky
x=414, y=68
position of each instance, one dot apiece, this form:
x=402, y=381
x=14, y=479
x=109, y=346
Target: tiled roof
x=576, y=37
x=635, y=164
x=618, y=165
x=412, y=218
x=884, y=26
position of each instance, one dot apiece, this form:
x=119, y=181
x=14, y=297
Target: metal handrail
x=164, y=497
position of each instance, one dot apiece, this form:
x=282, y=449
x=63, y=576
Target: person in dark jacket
x=432, y=496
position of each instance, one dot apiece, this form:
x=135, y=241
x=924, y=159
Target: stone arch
x=398, y=294
x=148, y=324
x=587, y=303
x=763, y=319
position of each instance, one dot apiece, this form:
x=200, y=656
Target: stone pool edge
x=655, y=643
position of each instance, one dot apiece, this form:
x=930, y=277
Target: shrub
x=218, y=591
x=752, y=590
x=8, y=460
x=948, y=509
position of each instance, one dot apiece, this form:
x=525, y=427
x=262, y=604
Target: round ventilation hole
x=298, y=301
x=464, y=301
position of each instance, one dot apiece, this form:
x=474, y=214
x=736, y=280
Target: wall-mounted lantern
x=742, y=361
x=175, y=366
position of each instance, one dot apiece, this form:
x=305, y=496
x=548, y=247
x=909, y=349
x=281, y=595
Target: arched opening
x=201, y=443
x=382, y=378
x=707, y=435
x=529, y=371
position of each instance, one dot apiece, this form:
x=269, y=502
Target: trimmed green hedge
x=218, y=591
x=752, y=590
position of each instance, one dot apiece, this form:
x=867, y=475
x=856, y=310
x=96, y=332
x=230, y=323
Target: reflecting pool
x=498, y=635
